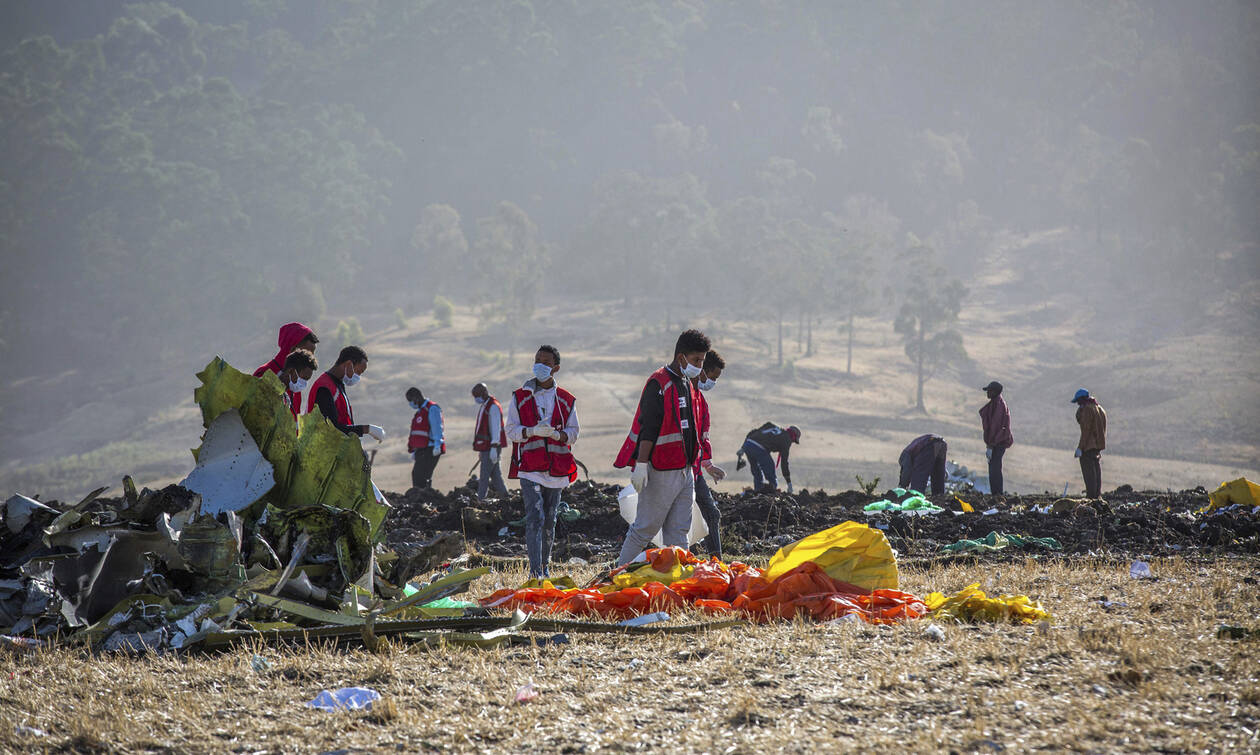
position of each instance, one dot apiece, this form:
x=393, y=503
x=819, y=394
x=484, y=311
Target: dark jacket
x=1093, y=421
x=774, y=439
x=995, y=418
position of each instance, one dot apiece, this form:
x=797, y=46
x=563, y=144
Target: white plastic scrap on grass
x=628, y=502
x=231, y=472
x=346, y=698
x=1140, y=570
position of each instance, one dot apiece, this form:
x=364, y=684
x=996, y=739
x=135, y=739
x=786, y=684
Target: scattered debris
x=527, y=692
x=645, y=619
x=935, y=633
x=1140, y=570
x=346, y=698
x=996, y=541
x=971, y=604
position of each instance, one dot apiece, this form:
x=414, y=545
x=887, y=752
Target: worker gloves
x=988, y=454
x=494, y=454
x=1078, y=453
x=376, y=431
x=542, y=430
x=638, y=476
x=437, y=450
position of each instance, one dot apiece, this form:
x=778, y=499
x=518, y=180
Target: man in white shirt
x=489, y=439
x=542, y=424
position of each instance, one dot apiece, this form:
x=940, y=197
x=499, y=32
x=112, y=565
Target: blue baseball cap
x=1080, y=394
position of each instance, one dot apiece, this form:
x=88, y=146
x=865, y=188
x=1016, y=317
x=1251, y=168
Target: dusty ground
x=1147, y=674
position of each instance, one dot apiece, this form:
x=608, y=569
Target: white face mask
x=542, y=373
x=414, y=405
x=690, y=370
x=480, y=399
x=352, y=380
x=706, y=384
x=298, y=385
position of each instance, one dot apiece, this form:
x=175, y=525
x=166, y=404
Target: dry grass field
x=1147, y=674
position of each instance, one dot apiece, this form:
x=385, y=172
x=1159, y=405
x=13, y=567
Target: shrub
x=443, y=311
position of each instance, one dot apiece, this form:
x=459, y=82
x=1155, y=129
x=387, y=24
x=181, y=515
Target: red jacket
x=291, y=334
x=420, y=428
x=995, y=418
x=546, y=455
x=481, y=438
x=670, y=451
x=345, y=413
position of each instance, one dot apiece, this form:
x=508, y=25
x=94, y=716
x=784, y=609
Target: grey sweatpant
x=665, y=504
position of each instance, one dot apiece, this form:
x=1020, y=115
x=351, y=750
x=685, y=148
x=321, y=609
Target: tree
x=928, y=313
x=862, y=232
x=509, y=243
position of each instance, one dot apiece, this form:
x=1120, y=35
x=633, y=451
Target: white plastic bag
x=628, y=502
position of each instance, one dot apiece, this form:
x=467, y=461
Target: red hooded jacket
x=291, y=334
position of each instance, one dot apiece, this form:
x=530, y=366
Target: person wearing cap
x=995, y=420
x=924, y=458
x=759, y=444
x=1093, y=421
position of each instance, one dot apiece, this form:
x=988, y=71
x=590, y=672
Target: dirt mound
x=1124, y=522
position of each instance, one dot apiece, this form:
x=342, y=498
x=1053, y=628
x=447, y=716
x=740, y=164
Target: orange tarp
x=713, y=586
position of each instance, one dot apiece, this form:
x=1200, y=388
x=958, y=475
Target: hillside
x=1182, y=408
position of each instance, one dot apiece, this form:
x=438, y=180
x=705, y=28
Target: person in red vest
x=328, y=392
x=662, y=449
x=299, y=366
x=426, y=442
x=489, y=440
x=710, y=372
x=293, y=335
x=542, y=424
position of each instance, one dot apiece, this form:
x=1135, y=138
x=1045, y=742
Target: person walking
x=489, y=440
x=758, y=445
x=995, y=421
x=542, y=424
x=662, y=449
x=1093, y=422
x=426, y=442
x=712, y=370
x=924, y=458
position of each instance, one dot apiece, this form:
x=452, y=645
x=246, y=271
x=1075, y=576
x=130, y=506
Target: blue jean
x=712, y=517
x=489, y=476
x=540, y=525
x=761, y=465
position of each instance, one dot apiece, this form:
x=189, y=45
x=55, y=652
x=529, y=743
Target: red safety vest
x=345, y=414
x=420, y=428
x=293, y=401
x=481, y=439
x=546, y=455
x=670, y=452
x=702, y=423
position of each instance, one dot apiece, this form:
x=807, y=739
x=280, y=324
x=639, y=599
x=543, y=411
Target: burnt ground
x=1124, y=522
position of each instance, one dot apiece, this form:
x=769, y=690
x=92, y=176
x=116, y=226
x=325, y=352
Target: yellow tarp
x=850, y=552
x=1241, y=491
x=971, y=604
